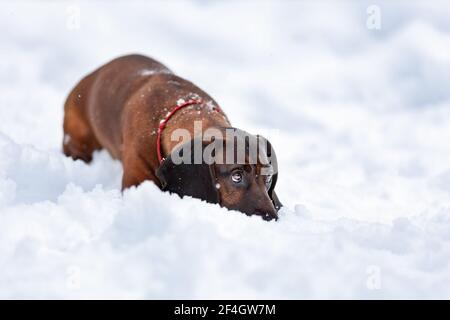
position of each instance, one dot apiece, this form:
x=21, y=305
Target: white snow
x=360, y=120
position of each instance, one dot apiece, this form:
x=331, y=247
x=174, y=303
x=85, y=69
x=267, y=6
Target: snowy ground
x=360, y=119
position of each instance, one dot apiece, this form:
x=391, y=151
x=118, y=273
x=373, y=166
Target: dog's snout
x=267, y=216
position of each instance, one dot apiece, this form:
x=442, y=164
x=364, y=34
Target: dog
x=133, y=107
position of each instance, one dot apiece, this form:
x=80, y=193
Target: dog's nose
x=267, y=216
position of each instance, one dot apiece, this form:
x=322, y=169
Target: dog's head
x=237, y=172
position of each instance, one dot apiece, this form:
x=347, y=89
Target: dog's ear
x=270, y=152
x=189, y=179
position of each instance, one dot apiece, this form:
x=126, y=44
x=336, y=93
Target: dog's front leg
x=135, y=171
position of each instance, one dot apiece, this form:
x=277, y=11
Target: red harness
x=163, y=123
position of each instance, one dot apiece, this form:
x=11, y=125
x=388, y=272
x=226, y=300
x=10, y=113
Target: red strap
x=163, y=123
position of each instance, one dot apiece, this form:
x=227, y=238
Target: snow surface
x=360, y=119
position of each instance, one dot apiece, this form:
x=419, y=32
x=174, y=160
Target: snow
x=360, y=120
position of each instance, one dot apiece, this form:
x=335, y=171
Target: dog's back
x=93, y=108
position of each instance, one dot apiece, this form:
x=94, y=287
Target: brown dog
x=133, y=107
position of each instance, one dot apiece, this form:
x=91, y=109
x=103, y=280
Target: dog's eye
x=236, y=177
